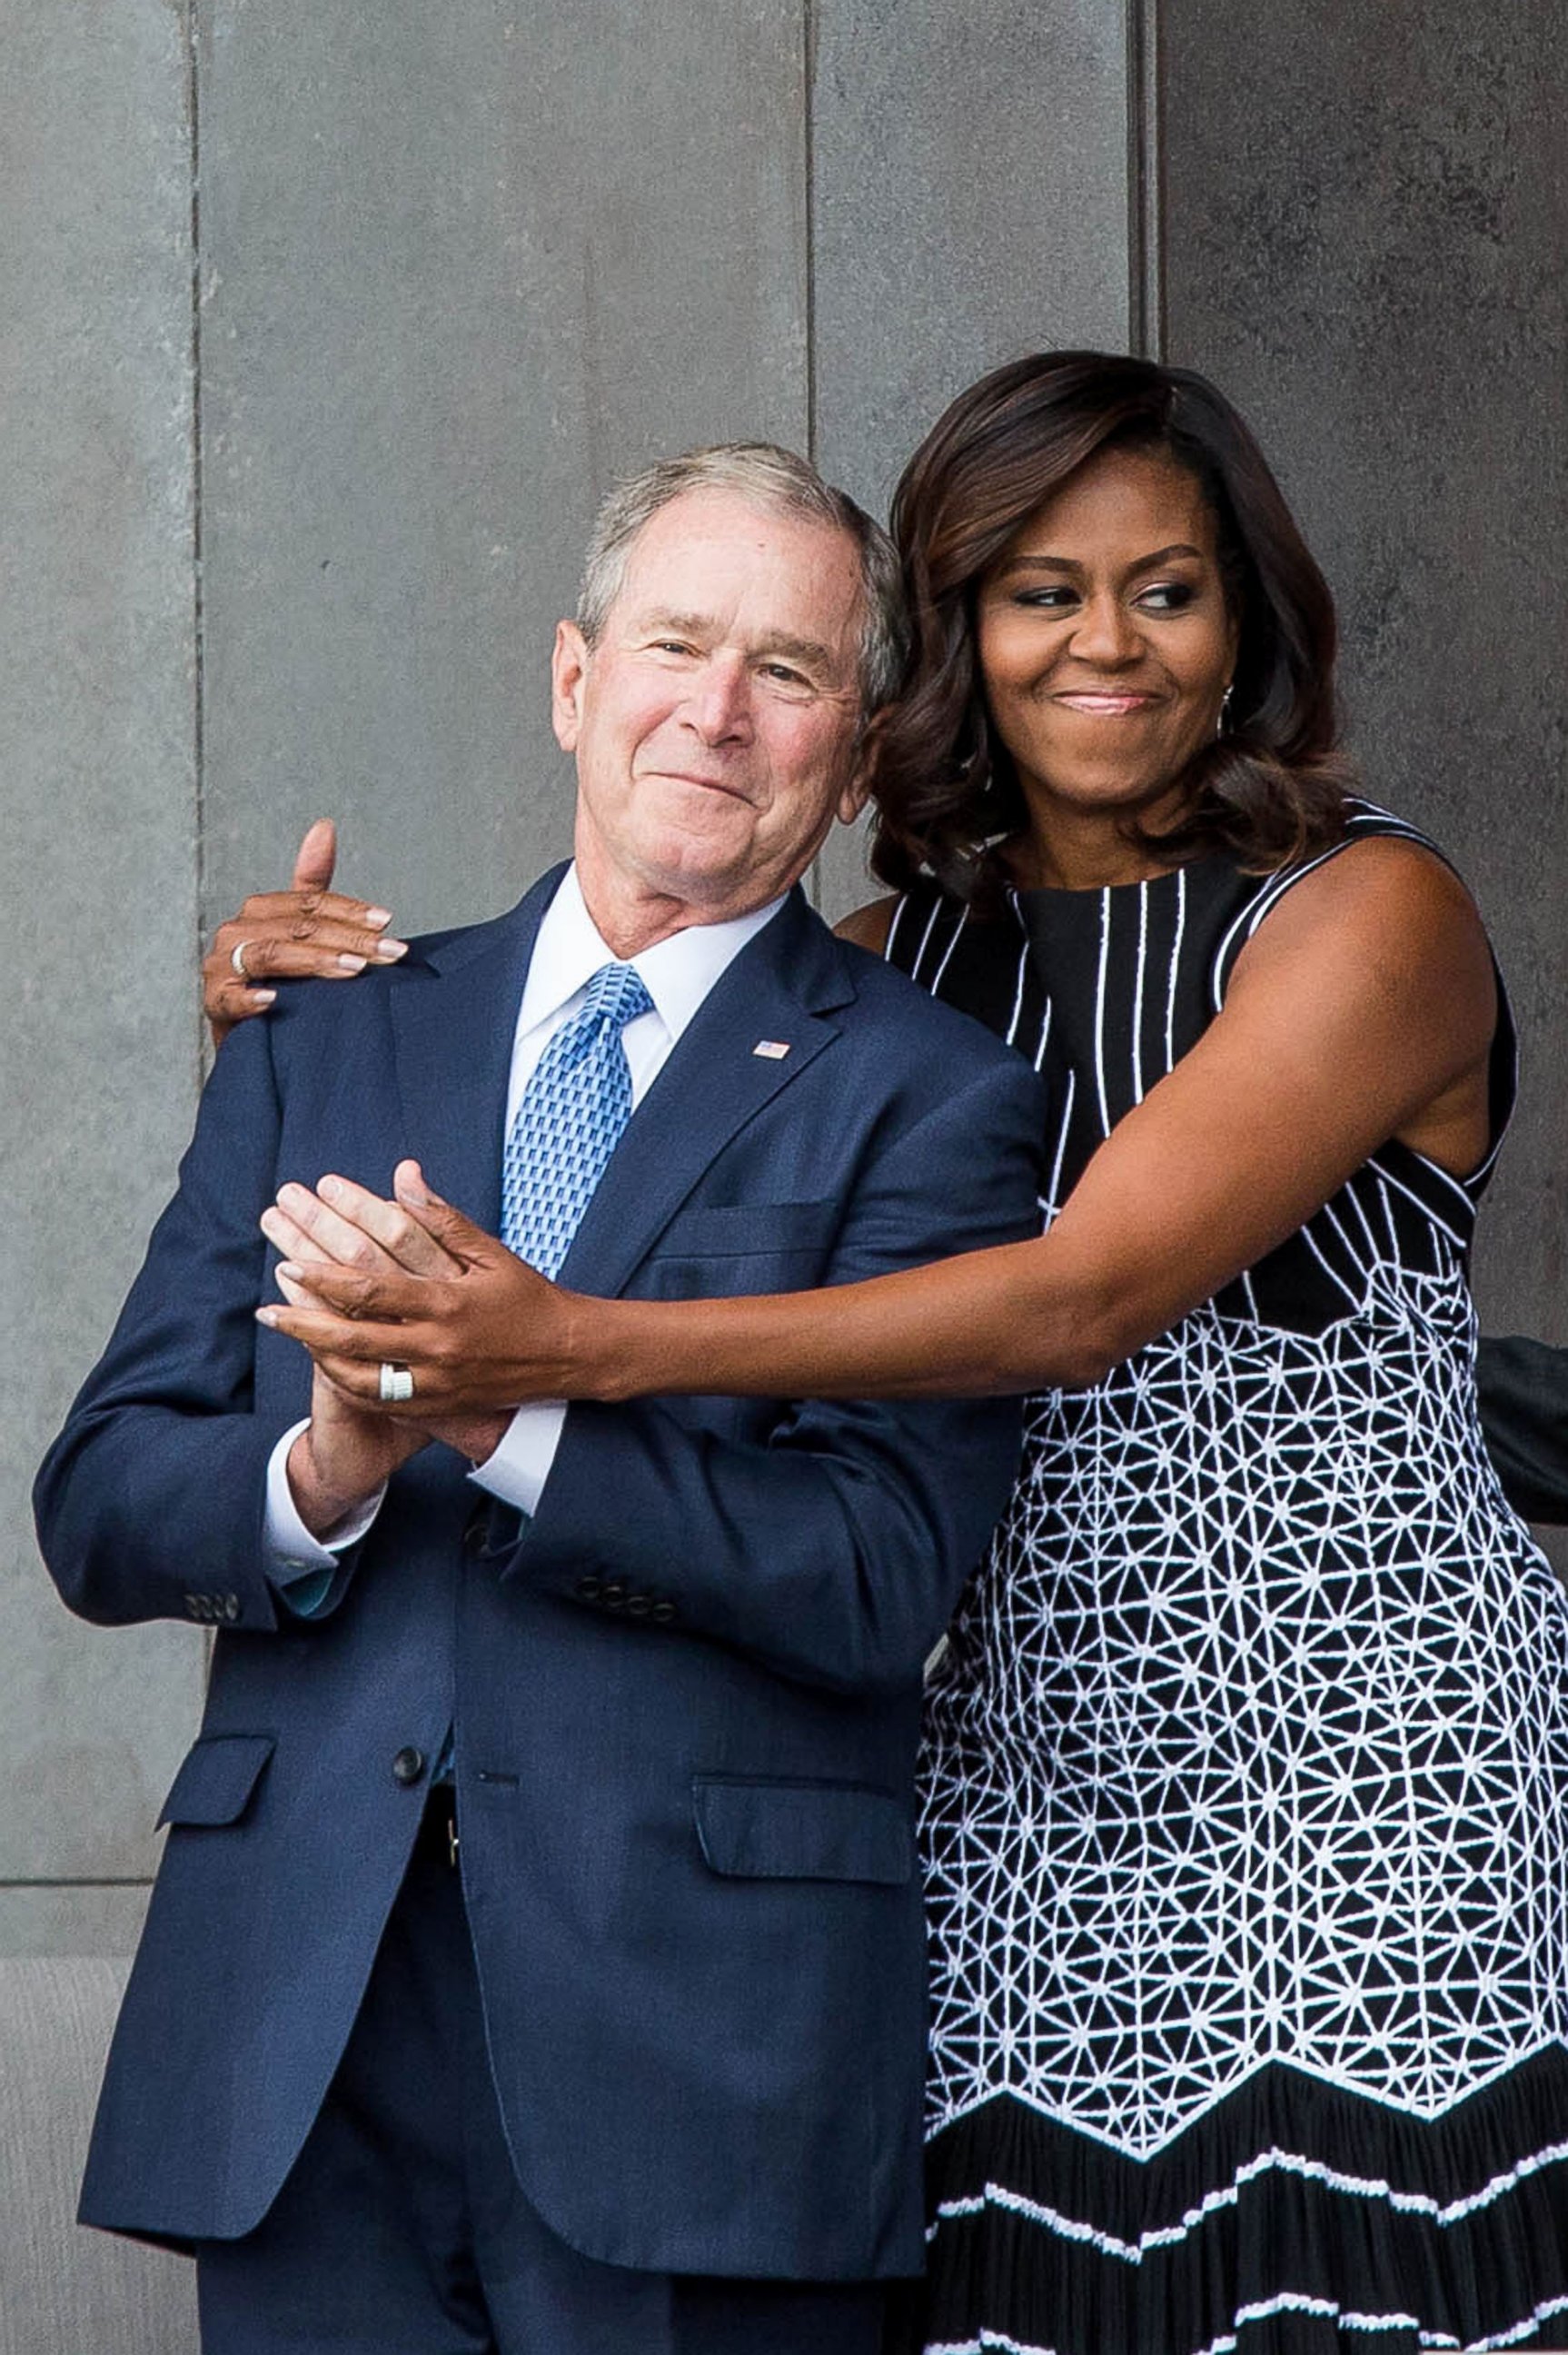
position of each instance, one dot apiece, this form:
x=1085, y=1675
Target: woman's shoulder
x=1383, y=900
x=1404, y=846
x=898, y=926
x=1381, y=868
x=867, y=927
x=927, y=920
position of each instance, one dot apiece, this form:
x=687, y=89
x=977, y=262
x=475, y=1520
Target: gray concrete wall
x=456, y=272
x=509, y=254
x=969, y=202
x=99, y=1053
x=1366, y=213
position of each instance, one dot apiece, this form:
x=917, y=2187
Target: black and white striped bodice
x=1105, y=991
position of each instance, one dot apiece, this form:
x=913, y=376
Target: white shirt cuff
x=519, y=1467
x=294, y=1552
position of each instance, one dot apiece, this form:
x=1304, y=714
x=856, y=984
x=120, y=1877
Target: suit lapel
x=453, y=1019
x=780, y=988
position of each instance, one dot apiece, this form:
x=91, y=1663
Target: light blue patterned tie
x=570, y=1120
x=566, y=1126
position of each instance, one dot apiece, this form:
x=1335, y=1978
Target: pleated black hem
x=1293, y=2218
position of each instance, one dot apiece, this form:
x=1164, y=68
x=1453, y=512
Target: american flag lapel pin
x=775, y=1049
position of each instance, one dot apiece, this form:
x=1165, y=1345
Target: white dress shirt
x=677, y=974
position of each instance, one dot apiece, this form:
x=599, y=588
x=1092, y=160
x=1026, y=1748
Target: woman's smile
x=1101, y=703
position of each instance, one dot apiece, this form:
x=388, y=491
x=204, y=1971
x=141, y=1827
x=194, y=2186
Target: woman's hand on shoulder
x=308, y=931
x=869, y=927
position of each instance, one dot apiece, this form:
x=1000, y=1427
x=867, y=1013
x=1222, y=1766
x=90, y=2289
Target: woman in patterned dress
x=1246, y=1769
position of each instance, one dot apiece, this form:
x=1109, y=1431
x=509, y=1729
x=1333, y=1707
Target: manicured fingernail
x=260, y=998
x=288, y=1267
x=378, y=916
x=388, y=950
x=330, y=1189
x=268, y=1316
x=348, y=963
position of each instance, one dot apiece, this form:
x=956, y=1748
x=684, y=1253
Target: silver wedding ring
x=397, y=1385
x=237, y=958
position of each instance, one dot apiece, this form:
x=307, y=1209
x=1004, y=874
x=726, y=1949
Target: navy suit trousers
x=403, y=2225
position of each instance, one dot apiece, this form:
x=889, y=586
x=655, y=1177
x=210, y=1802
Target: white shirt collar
x=678, y=973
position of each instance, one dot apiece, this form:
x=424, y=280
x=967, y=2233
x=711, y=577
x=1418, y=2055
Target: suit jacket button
x=407, y=1766
x=663, y=1612
x=613, y=1594
x=192, y=1606
x=587, y=1590
x=638, y=1607
x=231, y=1606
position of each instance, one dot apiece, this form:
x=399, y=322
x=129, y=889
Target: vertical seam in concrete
x=1145, y=209
x=808, y=147
x=198, y=611
x=813, y=876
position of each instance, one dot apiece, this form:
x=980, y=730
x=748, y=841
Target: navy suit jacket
x=687, y=1693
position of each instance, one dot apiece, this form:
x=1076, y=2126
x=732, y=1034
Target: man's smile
x=728, y=786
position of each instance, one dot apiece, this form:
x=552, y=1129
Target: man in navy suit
x=537, y=1958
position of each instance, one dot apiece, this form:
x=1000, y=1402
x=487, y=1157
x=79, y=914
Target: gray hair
x=768, y=476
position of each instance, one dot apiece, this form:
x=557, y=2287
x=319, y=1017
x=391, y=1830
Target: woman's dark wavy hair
x=1270, y=789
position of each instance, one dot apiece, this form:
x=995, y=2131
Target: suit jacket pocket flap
x=730, y=1230
x=215, y=1783
x=769, y=1830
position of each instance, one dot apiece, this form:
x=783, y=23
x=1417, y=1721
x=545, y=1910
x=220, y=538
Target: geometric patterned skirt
x=1245, y=1822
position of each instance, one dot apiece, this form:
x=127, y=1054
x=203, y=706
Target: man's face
x=715, y=722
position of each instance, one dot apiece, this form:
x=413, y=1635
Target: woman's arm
x=1362, y=1009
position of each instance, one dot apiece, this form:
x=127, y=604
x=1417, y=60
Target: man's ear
x=568, y=673
x=862, y=768
x=854, y=797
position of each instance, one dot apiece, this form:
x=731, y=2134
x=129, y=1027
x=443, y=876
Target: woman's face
x=1106, y=642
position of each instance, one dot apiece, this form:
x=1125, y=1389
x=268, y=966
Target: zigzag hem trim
x=1268, y=2162
x=998, y=2342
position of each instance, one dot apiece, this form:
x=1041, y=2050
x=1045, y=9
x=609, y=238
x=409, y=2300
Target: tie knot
x=615, y=995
